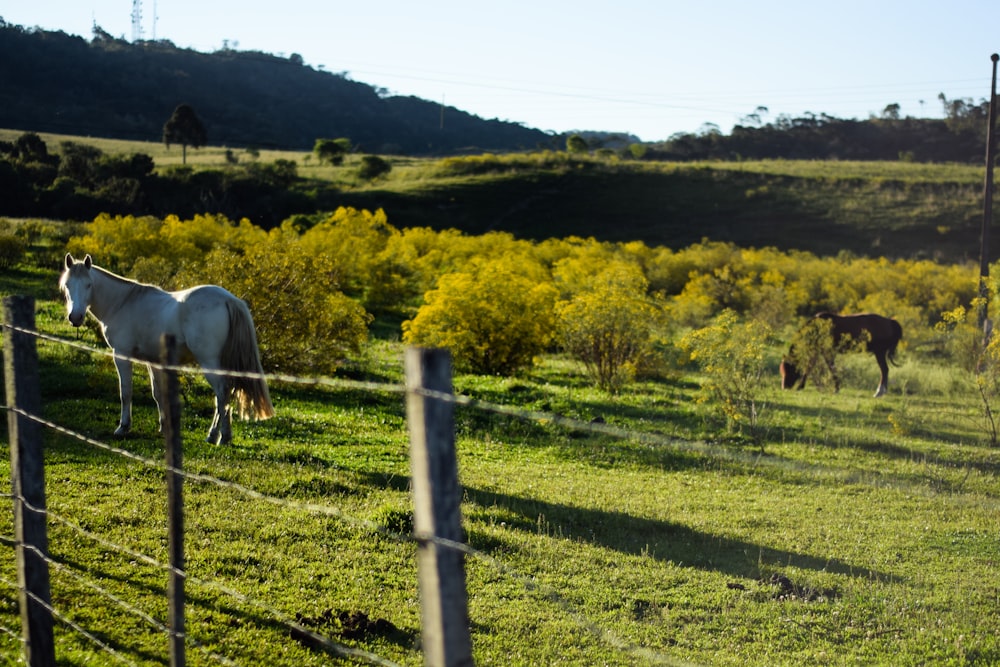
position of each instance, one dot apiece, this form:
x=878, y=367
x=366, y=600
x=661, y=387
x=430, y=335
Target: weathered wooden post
x=169, y=390
x=436, y=501
x=28, y=482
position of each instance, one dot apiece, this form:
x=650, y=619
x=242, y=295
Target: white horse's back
x=202, y=320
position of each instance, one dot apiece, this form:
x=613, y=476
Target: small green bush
x=12, y=250
x=731, y=354
x=609, y=326
x=372, y=167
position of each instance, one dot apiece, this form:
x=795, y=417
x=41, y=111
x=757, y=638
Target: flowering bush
x=730, y=353
x=609, y=324
x=492, y=317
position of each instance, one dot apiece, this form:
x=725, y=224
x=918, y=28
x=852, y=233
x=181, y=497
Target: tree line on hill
x=958, y=137
x=109, y=87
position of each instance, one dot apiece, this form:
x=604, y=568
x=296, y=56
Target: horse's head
x=77, y=285
x=789, y=374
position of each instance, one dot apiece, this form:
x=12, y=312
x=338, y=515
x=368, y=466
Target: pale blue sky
x=648, y=67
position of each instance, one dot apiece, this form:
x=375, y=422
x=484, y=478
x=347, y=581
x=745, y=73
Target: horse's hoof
x=122, y=431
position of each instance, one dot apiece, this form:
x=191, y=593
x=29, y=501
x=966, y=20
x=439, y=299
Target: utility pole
x=984, y=250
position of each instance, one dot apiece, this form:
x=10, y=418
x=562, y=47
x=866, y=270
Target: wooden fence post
x=436, y=501
x=169, y=390
x=28, y=482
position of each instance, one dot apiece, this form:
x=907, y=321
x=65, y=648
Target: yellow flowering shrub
x=492, y=317
x=304, y=323
x=731, y=354
x=608, y=325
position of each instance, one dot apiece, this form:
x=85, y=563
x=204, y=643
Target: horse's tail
x=240, y=354
x=897, y=335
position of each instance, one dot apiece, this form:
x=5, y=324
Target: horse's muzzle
x=76, y=320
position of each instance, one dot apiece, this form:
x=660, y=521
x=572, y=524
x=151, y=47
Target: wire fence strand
x=70, y=623
x=528, y=583
x=290, y=623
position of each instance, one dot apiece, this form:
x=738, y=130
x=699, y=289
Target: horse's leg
x=124, y=368
x=805, y=373
x=221, y=431
x=829, y=359
x=883, y=385
x=155, y=385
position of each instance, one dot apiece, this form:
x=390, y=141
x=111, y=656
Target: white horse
x=209, y=324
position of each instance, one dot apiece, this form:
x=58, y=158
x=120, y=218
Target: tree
x=372, y=166
x=576, y=144
x=79, y=162
x=184, y=128
x=731, y=354
x=891, y=112
x=29, y=147
x=332, y=150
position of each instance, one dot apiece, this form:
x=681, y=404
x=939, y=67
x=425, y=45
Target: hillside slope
x=54, y=82
x=679, y=205
x=891, y=209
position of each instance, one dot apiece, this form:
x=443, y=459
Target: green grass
x=863, y=533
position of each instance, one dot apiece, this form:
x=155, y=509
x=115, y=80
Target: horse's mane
x=133, y=288
x=134, y=284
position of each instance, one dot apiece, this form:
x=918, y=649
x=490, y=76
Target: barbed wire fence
x=436, y=533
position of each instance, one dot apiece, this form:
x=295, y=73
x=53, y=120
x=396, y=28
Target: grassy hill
x=895, y=209
x=826, y=210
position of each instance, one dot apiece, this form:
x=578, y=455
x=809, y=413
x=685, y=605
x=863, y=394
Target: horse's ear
x=88, y=262
x=68, y=260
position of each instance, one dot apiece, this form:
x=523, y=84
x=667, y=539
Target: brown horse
x=880, y=334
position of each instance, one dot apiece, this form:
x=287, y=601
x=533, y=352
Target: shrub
x=354, y=244
x=609, y=326
x=153, y=250
x=304, y=324
x=730, y=353
x=12, y=250
x=372, y=167
x=813, y=351
x=491, y=317
x=332, y=150
x=979, y=357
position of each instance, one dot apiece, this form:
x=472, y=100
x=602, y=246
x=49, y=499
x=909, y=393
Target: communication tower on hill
x=136, y=20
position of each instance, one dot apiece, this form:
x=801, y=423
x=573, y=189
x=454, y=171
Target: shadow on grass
x=673, y=542
x=309, y=630
x=883, y=447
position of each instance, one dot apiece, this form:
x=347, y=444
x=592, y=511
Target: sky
x=649, y=68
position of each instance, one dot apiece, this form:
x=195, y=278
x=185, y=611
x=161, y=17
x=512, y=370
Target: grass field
x=861, y=531
x=858, y=531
